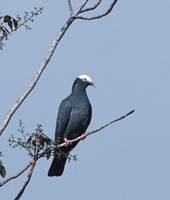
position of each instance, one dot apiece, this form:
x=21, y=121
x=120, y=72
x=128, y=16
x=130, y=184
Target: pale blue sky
x=127, y=56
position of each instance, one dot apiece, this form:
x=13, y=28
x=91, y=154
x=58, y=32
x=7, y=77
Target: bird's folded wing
x=63, y=118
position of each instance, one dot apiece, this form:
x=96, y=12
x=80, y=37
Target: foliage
x=9, y=24
x=37, y=144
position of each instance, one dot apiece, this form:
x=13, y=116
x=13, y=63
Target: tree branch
x=98, y=16
x=16, y=175
x=27, y=181
x=37, y=75
x=92, y=8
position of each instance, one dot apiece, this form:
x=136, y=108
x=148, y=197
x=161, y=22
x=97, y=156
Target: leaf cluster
x=38, y=145
x=35, y=143
x=8, y=24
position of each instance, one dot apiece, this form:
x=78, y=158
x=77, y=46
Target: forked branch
x=80, y=8
x=16, y=175
x=98, y=16
x=27, y=181
x=93, y=7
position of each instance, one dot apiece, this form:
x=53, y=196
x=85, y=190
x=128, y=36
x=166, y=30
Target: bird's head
x=86, y=80
x=83, y=81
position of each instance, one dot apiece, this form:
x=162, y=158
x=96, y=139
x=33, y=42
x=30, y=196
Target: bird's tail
x=57, y=167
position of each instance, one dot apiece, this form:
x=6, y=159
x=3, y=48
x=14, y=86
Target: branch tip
x=129, y=113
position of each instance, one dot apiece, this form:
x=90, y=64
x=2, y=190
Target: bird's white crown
x=85, y=78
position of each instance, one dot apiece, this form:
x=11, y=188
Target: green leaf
x=48, y=154
x=2, y=170
x=15, y=23
x=29, y=139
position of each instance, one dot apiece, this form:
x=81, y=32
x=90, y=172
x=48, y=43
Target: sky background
x=127, y=55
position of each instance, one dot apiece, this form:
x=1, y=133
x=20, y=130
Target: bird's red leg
x=67, y=142
x=83, y=136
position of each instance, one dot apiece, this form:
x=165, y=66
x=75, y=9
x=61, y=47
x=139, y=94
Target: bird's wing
x=63, y=119
x=86, y=122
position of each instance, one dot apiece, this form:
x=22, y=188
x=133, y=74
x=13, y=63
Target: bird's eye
x=84, y=79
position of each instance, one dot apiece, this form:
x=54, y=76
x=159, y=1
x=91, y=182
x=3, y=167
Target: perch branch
x=27, y=181
x=16, y=175
x=98, y=16
x=99, y=129
x=92, y=8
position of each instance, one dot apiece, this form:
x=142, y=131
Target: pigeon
x=74, y=117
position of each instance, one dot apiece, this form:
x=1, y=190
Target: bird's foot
x=67, y=142
x=83, y=136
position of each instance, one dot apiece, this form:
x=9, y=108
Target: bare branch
x=92, y=8
x=27, y=181
x=37, y=75
x=98, y=16
x=16, y=175
x=115, y=120
x=70, y=8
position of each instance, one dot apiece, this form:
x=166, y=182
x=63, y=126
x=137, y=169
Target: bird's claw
x=67, y=142
x=83, y=136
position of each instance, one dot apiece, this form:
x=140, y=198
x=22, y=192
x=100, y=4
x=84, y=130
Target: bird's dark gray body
x=73, y=119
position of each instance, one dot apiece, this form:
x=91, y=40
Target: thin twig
x=70, y=8
x=16, y=175
x=27, y=181
x=25, y=147
x=98, y=16
x=92, y=8
x=22, y=130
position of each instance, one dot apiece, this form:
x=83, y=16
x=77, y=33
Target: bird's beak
x=92, y=84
